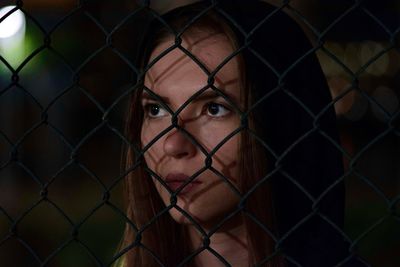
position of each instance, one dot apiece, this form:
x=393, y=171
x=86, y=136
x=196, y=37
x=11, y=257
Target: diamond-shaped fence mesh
x=199, y=133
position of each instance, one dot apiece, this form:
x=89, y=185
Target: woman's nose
x=178, y=145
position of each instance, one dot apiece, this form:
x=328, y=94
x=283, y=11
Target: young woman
x=234, y=158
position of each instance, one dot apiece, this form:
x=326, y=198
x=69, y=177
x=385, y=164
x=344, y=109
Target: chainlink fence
x=66, y=70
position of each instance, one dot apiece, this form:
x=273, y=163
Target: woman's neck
x=229, y=241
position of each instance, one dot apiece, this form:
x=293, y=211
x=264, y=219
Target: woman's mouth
x=177, y=180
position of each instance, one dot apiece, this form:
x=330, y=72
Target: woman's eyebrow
x=208, y=95
x=214, y=94
x=146, y=95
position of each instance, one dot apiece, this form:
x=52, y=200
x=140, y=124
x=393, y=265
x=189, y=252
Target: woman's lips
x=189, y=187
x=176, y=180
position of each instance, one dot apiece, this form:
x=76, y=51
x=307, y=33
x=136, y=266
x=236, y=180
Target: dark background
x=59, y=178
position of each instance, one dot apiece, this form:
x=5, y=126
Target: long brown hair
x=165, y=238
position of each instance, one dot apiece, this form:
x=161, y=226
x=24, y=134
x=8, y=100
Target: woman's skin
x=209, y=119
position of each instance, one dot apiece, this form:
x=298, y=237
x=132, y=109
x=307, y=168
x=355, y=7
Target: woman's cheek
x=226, y=154
x=148, y=134
x=216, y=133
x=151, y=129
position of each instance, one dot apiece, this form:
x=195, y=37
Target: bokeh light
x=12, y=36
x=350, y=58
x=368, y=51
x=12, y=24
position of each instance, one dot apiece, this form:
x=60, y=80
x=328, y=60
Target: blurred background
x=61, y=124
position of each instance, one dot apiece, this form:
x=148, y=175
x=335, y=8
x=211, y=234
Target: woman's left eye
x=217, y=110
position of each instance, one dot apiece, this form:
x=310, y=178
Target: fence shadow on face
x=62, y=119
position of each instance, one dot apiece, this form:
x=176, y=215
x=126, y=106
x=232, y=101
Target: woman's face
x=208, y=118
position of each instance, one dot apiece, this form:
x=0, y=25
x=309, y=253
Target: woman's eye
x=217, y=110
x=155, y=110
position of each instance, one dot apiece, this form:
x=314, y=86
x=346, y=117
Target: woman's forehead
x=177, y=69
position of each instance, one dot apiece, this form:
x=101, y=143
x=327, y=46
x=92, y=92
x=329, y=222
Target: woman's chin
x=179, y=217
x=188, y=216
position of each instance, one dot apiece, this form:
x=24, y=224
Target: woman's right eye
x=154, y=110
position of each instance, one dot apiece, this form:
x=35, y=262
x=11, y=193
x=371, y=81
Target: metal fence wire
x=98, y=85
